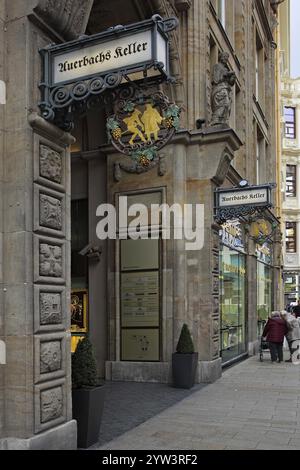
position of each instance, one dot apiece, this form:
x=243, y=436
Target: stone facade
x=290, y=98
x=35, y=190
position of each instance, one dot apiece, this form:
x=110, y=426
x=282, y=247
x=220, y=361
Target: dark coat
x=275, y=330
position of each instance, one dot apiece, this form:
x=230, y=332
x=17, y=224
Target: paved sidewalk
x=253, y=406
x=128, y=404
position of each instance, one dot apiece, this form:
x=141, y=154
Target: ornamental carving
x=68, y=17
x=51, y=260
x=50, y=164
x=50, y=308
x=50, y=212
x=215, y=327
x=215, y=262
x=51, y=404
x=50, y=359
x=141, y=126
x=215, y=349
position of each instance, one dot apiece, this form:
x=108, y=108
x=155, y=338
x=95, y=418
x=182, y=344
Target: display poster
x=79, y=307
x=140, y=299
x=139, y=254
x=140, y=344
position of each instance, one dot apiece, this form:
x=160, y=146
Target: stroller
x=264, y=346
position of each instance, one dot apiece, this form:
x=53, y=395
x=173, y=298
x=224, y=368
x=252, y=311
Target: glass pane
x=264, y=295
x=232, y=303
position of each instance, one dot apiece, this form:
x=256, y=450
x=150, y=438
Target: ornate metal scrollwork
x=61, y=91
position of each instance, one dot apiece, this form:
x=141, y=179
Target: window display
x=232, y=303
x=264, y=295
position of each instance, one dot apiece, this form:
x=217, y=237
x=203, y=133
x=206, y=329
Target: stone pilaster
x=36, y=252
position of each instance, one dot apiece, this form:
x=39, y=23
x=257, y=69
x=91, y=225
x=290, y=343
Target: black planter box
x=184, y=369
x=87, y=410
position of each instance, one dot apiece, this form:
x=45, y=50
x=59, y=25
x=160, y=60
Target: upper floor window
x=290, y=122
x=290, y=237
x=290, y=190
x=221, y=11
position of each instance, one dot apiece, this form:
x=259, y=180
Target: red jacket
x=275, y=330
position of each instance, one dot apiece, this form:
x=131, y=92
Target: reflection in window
x=221, y=12
x=290, y=237
x=290, y=190
x=290, y=122
x=232, y=303
x=264, y=295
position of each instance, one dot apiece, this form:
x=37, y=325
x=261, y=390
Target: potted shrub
x=184, y=361
x=87, y=394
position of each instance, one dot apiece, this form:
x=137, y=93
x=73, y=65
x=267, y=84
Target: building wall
x=2, y=100
x=290, y=89
x=37, y=392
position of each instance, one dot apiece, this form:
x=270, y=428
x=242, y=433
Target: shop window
x=291, y=181
x=232, y=303
x=79, y=272
x=290, y=237
x=290, y=122
x=264, y=295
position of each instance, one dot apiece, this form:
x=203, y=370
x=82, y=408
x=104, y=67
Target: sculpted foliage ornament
x=141, y=126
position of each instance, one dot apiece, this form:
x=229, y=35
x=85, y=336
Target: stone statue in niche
x=223, y=80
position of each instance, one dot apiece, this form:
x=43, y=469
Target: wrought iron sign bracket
x=79, y=73
x=257, y=218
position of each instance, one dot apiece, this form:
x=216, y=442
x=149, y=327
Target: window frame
x=290, y=125
x=291, y=186
x=291, y=241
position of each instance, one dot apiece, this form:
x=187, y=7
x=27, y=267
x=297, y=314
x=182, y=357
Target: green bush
x=185, y=343
x=84, y=369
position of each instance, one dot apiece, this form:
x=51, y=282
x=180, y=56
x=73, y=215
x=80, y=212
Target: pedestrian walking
x=296, y=309
x=293, y=333
x=275, y=331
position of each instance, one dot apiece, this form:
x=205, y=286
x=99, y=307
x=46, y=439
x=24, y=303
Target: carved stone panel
x=215, y=304
x=215, y=349
x=215, y=285
x=50, y=308
x=215, y=262
x=51, y=166
x=50, y=356
x=51, y=404
x=51, y=260
x=50, y=212
x=215, y=327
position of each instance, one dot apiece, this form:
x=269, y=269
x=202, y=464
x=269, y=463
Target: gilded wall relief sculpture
x=140, y=127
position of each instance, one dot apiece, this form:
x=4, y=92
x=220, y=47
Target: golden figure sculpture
x=133, y=122
x=151, y=120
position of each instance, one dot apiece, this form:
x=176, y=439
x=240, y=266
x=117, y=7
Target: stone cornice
x=47, y=129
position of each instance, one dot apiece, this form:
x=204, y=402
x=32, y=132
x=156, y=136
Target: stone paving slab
x=253, y=405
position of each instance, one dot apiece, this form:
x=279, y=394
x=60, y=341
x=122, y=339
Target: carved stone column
x=35, y=384
x=207, y=166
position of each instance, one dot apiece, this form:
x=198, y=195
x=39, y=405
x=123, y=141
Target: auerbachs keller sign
x=112, y=55
x=234, y=203
x=80, y=69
